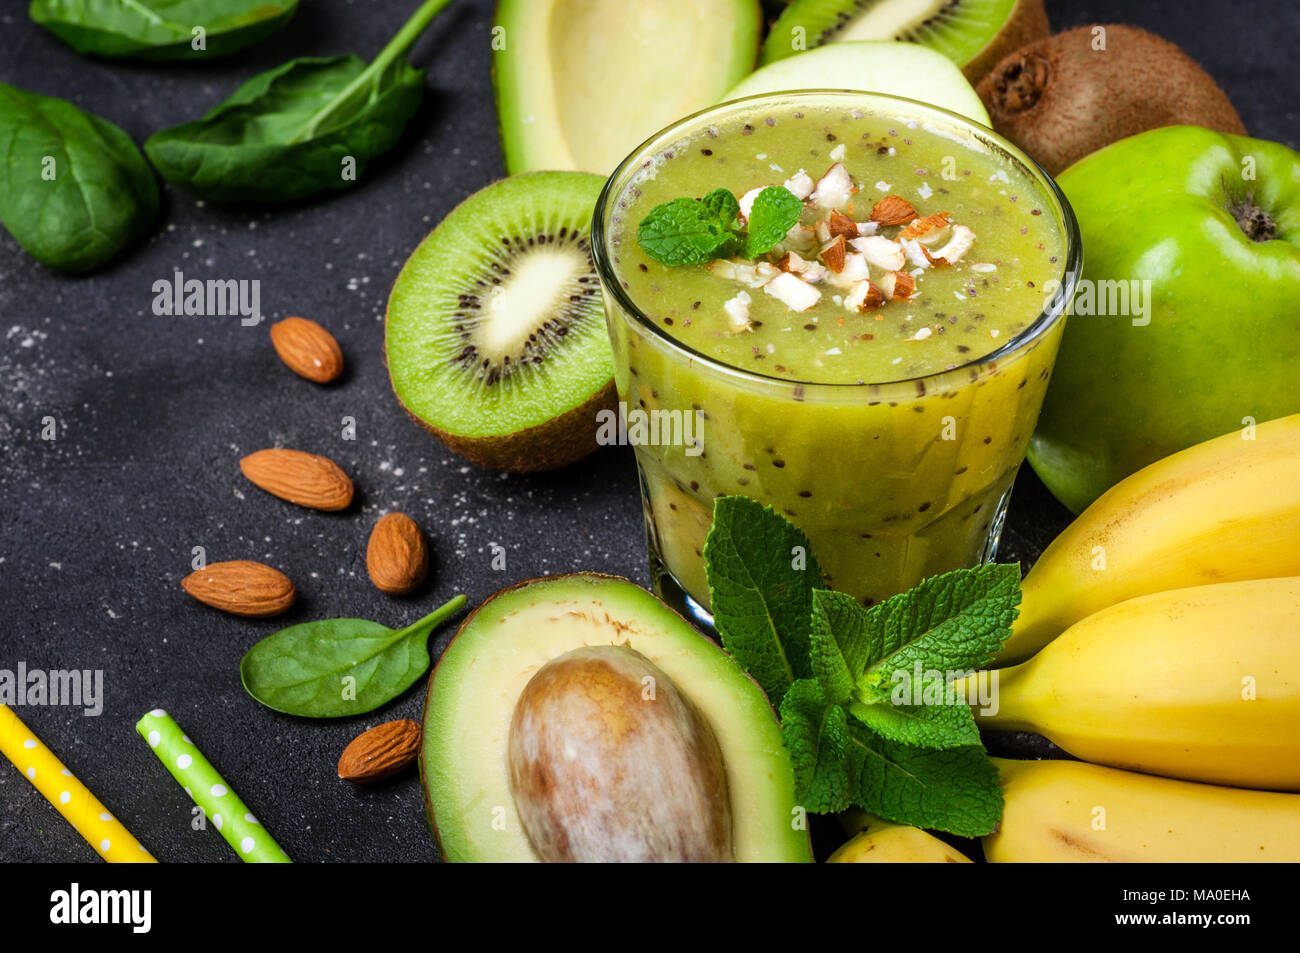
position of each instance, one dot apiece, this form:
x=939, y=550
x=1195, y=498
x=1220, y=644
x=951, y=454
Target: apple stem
x=1255, y=223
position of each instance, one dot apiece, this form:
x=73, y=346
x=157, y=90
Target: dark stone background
x=97, y=527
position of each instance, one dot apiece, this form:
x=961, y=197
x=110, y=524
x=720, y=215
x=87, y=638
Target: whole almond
x=380, y=752
x=308, y=349
x=303, y=478
x=242, y=587
x=397, y=556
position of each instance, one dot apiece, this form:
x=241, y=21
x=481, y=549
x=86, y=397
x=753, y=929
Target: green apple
x=881, y=66
x=1194, y=236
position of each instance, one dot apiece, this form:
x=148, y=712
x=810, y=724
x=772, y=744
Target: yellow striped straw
x=69, y=796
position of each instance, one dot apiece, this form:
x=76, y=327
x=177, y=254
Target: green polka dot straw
x=209, y=790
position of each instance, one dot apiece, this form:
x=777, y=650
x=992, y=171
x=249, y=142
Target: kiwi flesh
x=1062, y=98
x=974, y=34
x=495, y=331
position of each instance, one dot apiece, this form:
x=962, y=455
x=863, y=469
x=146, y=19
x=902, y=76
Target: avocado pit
x=609, y=762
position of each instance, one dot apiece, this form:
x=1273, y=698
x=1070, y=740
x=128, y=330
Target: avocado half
x=506, y=640
x=579, y=85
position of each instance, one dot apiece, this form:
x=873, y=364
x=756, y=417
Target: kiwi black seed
x=495, y=333
x=974, y=34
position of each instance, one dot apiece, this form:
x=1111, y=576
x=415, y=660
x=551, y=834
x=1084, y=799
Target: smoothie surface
x=872, y=308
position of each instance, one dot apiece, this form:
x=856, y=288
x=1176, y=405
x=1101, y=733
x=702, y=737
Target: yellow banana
x=1071, y=811
x=882, y=842
x=1200, y=683
x=1222, y=510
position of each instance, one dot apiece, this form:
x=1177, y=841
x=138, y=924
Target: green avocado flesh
x=474, y=689
x=957, y=30
x=579, y=85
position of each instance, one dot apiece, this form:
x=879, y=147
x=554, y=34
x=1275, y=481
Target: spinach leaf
x=74, y=189
x=302, y=670
x=162, y=29
x=305, y=127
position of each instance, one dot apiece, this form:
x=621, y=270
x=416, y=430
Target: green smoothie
x=876, y=374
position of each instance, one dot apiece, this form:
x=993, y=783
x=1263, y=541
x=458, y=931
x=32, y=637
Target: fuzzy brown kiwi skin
x=556, y=443
x=1059, y=106
x=564, y=439
x=1027, y=24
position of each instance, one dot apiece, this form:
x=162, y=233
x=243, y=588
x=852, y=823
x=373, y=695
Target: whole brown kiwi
x=1068, y=95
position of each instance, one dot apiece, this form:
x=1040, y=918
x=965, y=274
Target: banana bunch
x=1168, y=619
x=883, y=842
x=1071, y=811
x=1200, y=683
x=1220, y=511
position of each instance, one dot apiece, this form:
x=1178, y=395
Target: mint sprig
x=816, y=732
x=761, y=572
x=775, y=211
x=689, y=231
x=860, y=731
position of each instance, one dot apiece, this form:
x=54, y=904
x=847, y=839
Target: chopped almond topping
x=737, y=309
x=959, y=244
x=924, y=229
x=833, y=254
x=893, y=210
x=881, y=252
x=788, y=276
x=875, y=298
x=801, y=184
x=792, y=291
x=855, y=267
x=865, y=296
x=841, y=224
x=801, y=237
x=935, y=261
x=898, y=284
x=833, y=188
x=809, y=271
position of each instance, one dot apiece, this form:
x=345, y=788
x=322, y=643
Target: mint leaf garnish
x=929, y=725
x=955, y=790
x=761, y=573
x=775, y=211
x=949, y=623
x=689, y=232
x=817, y=734
x=839, y=643
x=836, y=671
x=721, y=208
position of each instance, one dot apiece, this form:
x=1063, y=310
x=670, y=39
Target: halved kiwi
x=495, y=332
x=974, y=34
